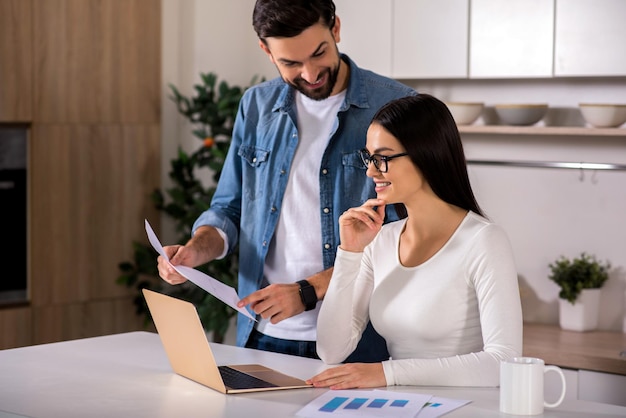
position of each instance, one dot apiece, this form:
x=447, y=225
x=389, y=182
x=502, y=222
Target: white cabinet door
x=511, y=38
x=590, y=38
x=430, y=38
x=366, y=33
x=602, y=387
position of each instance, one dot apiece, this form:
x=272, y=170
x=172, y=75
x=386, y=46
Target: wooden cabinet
x=97, y=62
x=94, y=157
x=589, y=38
x=16, y=65
x=366, y=33
x=16, y=325
x=511, y=39
x=430, y=38
x=91, y=185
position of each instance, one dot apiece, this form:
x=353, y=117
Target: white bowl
x=602, y=115
x=521, y=114
x=465, y=113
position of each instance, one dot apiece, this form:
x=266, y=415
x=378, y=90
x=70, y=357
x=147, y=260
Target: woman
x=440, y=285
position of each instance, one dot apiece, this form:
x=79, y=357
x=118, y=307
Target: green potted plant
x=580, y=280
x=212, y=111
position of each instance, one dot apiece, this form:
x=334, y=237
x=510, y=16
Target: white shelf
x=541, y=130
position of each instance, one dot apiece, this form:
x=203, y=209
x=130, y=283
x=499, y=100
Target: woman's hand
x=351, y=376
x=358, y=226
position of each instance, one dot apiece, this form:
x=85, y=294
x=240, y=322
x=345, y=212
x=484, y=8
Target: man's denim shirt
x=248, y=199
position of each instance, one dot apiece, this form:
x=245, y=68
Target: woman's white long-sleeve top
x=448, y=321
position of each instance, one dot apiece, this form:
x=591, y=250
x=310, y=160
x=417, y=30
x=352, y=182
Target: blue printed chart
x=365, y=404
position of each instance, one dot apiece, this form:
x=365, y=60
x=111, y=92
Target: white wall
x=546, y=212
x=550, y=212
x=201, y=36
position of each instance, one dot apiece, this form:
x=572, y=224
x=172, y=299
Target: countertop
x=591, y=350
x=129, y=375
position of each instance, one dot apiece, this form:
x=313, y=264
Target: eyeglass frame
x=377, y=159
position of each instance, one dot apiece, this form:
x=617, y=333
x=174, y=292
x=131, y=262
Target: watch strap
x=307, y=295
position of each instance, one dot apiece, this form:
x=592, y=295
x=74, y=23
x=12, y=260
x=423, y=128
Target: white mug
x=521, y=386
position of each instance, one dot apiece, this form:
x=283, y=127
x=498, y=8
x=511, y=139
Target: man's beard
x=322, y=92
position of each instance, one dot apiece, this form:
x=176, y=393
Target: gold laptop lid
x=184, y=339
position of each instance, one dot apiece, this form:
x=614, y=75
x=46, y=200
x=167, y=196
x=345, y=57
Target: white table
x=128, y=375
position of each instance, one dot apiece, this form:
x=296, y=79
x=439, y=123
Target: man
x=292, y=169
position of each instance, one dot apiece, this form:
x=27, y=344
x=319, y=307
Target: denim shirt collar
x=355, y=96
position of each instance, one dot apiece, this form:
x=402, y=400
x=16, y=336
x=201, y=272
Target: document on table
x=221, y=291
x=379, y=403
x=365, y=403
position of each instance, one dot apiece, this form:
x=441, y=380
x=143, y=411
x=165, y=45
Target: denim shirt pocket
x=255, y=160
x=253, y=156
x=357, y=186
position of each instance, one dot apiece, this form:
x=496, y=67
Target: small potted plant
x=580, y=281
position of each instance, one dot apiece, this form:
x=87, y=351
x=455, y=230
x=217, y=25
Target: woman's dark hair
x=426, y=129
x=289, y=18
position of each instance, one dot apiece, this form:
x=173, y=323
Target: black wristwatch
x=307, y=294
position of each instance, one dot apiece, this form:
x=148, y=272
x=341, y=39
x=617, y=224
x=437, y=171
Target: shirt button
x=326, y=210
x=265, y=243
x=327, y=246
x=273, y=209
x=324, y=171
x=254, y=160
x=282, y=172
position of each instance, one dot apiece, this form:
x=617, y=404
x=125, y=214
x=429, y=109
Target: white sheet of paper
x=222, y=291
x=365, y=403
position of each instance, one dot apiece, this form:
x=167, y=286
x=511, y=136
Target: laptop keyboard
x=235, y=379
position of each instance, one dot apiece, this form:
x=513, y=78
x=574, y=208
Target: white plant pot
x=583, y=314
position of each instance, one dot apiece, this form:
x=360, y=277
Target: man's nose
x=310, y=73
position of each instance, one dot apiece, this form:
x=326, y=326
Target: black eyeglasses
x=378, y=159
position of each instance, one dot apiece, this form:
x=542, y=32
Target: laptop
x=190, y=355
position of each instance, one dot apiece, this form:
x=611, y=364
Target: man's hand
x=350, y=376
x=275, y=302
x=205, y=245
x=281, y=301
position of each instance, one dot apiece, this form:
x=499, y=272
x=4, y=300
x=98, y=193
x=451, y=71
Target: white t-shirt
x=447, y=322
x=295, y=251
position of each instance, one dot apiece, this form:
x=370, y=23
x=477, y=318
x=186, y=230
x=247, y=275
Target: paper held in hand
x=223, y=292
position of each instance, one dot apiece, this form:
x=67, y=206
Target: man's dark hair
x=289, y=18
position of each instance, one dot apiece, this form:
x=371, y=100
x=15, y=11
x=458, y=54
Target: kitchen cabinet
x=16, y=63
x=366, y=33
x=406, y=38
x=596, y=372
x=511, y=39
x=104, y=67
x=93, y=157
x=602, y=387
x=485, y=39
x=589, y=38
x=430, y=38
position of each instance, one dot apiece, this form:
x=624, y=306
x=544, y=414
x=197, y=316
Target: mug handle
x=558, y=370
